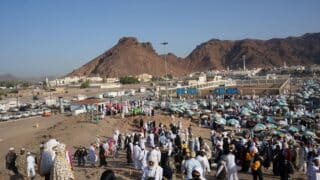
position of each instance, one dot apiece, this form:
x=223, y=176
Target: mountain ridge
x=131, y=57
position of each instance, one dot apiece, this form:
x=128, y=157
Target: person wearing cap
x=313, y=169
x=155, y=153
x=196, y=174
x=136, y=155
x=152, y=171
x=232, y=169
x=143, y=159
x=31, y=164
x=151, y=139
x=202, y=158
x=189, y=164
x=11, y=161
x=21, y=162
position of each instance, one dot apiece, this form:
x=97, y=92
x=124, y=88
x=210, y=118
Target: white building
x=144, y=77
x=74, y=80
x=65, y=81
x=94, y=79
x=111, y=80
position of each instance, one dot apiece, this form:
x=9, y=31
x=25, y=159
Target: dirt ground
x=76, y=131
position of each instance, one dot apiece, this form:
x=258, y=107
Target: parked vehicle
x=17, y=115
x=110, y=94
x=33, y=113
x=39, y=112
x=4, y=117
x=25, y=114
x=47, y=113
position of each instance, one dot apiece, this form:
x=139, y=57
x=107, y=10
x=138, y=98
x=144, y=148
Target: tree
x=129, y=80
x=85, y=84
x=169, y=76
x=25, y=84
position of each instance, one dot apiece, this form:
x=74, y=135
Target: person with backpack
x=256, y=166
x=11, y=161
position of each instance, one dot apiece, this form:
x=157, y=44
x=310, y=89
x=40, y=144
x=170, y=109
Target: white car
x=25, y=114
x=17, y=116
x=39, y=112
x=3, y=111
x=4, y=117
x=33, y=113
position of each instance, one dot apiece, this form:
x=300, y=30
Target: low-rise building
x=144, y=77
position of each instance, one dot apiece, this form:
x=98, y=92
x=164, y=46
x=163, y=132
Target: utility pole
x=165, y=64
x=244, y=62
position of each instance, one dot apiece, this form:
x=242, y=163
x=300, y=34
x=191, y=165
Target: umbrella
x=253, y=112
x=226, y=104
x=293, y=129
x=266, y=108
x=309, y=133
x=221, y=106
x=230, y=110
x=283, y=123
x=245, y=111
x=217, y=115
x=249, y=105
x=221, y=121
x=276, y=132
x=285, y=108
x=190, y=113
x=258, y=116
x=204, y=117
x=269, y=119
x=259, y=127
x=233, y=122
x=271, y=126
x=235, y=104
x=214, y=103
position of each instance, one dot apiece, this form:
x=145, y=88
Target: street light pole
x=165, y=64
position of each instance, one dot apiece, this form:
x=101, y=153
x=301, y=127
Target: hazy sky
x=39, y=37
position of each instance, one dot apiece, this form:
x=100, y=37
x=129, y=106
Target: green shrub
x=129, y=80
x=85, y=84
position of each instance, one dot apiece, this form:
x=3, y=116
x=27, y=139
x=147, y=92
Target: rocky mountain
x=218, y=54
x=130, y=57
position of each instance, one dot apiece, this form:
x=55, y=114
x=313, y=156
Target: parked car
x=25, y=114
x=17, y=115
x=33, y=113
x=4, y=117
x=39, y=112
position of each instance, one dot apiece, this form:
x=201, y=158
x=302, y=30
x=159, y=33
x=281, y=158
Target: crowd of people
x=173, y=152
